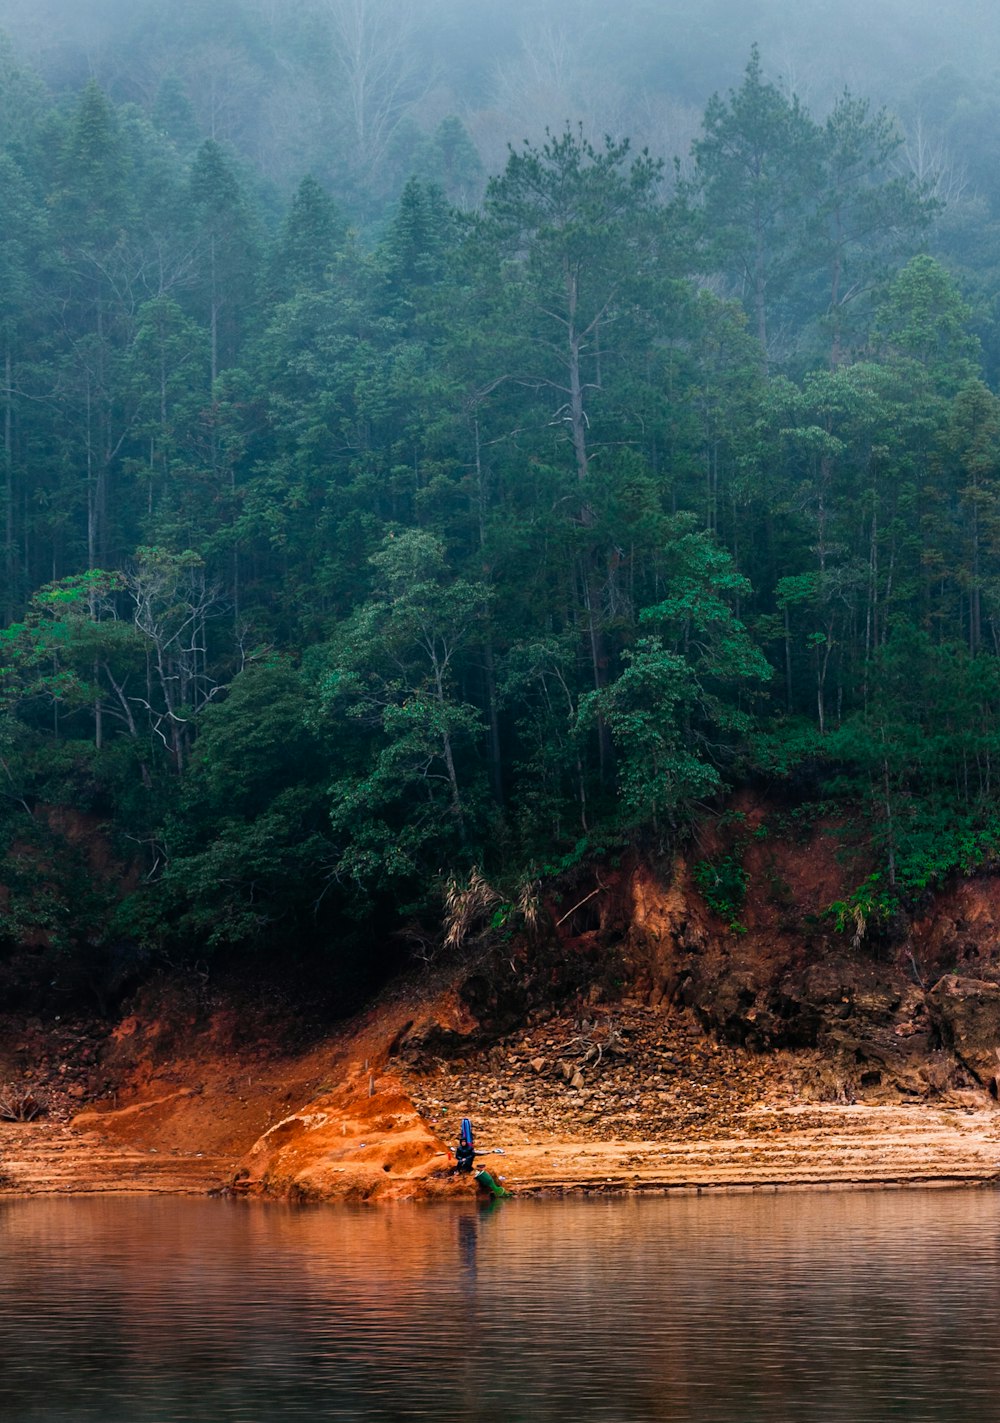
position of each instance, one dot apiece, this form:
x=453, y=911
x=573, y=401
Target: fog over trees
x=329, y=85
x=439, y=438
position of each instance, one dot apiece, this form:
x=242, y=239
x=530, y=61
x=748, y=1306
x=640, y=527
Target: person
x=465, y=1157
x=465, y=1152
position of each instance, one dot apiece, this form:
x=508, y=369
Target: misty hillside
x=349, y=89
x=394, y=521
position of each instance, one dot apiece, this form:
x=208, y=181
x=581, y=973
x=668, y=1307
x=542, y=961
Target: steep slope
x=647, y=1042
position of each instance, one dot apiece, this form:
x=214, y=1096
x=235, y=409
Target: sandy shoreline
x=807, y=1148
x=833, y=1147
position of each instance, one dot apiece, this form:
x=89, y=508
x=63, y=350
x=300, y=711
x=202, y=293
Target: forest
x=383, y=511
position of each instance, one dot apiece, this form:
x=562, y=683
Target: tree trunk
x=8, y=485
x=593, y=584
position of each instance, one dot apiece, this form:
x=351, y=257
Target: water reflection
x=832, y=1306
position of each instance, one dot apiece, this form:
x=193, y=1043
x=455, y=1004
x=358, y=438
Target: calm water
x=863, y=1306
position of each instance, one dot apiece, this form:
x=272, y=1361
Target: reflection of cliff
x=188, y=1308
x=854, y=1306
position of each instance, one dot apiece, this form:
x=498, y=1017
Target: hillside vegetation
x=359, y=571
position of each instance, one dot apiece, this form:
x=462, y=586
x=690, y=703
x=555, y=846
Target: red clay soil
x=688, y=1057
x=670, y=1110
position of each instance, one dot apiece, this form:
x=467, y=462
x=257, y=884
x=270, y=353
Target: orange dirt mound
x=363, y=1141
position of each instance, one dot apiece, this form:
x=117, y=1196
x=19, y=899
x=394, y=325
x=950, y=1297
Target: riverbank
x=637, y=1045
x=627, y=1099
x=635, y=1039
x=798, y=1148
x=793, y=1148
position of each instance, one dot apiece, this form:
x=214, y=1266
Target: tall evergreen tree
x=756, y=167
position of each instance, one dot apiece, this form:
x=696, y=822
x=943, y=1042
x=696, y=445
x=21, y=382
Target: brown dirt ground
x=627, y=1098
x=622, y=1091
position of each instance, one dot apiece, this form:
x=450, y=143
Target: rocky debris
x=625, y=1071
x=631, y=1071
x=56, y=1063
x=966, y=1013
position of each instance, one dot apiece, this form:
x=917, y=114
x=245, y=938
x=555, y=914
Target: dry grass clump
x=20, y=1103
x=477, y=909
x=465, y=905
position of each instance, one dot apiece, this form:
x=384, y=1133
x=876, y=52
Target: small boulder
x=966, y=1014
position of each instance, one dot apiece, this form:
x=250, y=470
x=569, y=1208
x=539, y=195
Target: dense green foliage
x=339, y=563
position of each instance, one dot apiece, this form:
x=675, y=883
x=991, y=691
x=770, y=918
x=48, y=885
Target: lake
x=821, y=1306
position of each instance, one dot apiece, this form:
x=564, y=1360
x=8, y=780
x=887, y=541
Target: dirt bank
x=667, y=1107
x=647, y=1045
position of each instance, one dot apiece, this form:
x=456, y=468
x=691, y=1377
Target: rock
x=966, y=1013
x=878, y=1004
x=577, y=1079
x=350, y=1145
x=539, y=1064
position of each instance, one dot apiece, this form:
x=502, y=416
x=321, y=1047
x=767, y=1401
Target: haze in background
x=354, y=90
